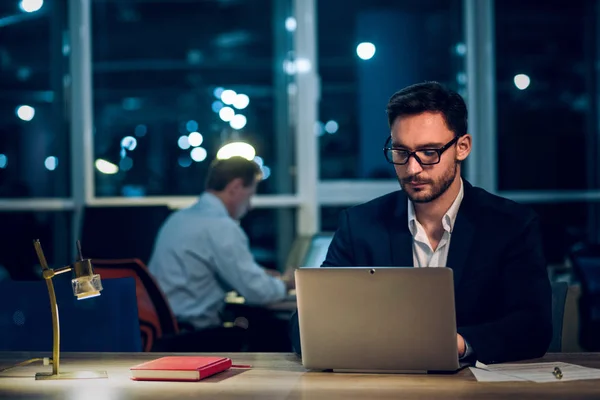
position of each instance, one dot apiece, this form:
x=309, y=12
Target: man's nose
x=413, y=166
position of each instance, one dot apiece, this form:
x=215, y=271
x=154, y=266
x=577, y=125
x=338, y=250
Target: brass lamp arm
x=50, y=273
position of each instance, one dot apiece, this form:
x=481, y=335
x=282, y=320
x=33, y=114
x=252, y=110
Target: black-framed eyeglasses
x=399, y=156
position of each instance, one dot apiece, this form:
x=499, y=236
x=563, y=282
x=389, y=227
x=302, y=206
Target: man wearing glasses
x=502, y=291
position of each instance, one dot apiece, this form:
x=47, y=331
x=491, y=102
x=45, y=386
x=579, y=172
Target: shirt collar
x=209, y=201
x=449, y=217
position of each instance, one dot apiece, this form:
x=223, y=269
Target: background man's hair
x=222, y=172
x=430, y=97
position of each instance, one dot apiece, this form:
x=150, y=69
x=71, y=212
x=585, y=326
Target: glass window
x=34, y=131
x=546, y=88
x=367, y=50
x=174, y=81
x=564, y=225
x=271, y=233
x=18, y=231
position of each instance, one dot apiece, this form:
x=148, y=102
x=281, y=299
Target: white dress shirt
x=200, y=254
x=423, y=253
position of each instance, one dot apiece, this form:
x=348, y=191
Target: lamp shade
x=85, y=283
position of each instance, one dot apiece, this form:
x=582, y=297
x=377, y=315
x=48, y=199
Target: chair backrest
x=156, y=318
x=559, y=298
x=107, y=323
x=571, y=324
x=586, y=266
x=588, y=271
x=121, y=232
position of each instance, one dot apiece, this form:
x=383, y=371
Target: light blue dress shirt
x=200, y=254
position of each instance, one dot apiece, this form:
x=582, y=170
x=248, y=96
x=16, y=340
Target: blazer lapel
x=400, y=237
x=461, y=240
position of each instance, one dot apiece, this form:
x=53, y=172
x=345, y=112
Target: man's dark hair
x=430, y=97
x=222, y=172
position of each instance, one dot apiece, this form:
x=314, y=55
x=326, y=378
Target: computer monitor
x=317, y=250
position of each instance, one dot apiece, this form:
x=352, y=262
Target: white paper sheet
x=534, y=372
x=488, y=376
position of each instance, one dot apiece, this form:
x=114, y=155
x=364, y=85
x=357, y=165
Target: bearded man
x=503, y=296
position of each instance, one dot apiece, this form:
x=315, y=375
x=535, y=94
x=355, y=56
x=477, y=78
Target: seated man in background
x=493, y=245
x=201, y=252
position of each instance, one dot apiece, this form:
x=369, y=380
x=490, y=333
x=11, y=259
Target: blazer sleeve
x=339, y=254
x=525, y=330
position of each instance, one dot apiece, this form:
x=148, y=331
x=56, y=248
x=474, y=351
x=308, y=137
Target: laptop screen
x=317, y=251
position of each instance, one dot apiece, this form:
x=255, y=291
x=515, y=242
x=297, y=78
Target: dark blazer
x=502, y=292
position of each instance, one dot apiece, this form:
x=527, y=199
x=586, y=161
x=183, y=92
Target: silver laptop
x=377, y=319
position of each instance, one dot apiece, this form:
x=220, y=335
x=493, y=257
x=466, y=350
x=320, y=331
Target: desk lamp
x=85, y=284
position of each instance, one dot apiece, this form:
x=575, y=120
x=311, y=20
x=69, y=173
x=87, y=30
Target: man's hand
x=272, y=272
x=289, y=279
x=460, y=342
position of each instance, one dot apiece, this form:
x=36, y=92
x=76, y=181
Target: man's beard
x=438, y=187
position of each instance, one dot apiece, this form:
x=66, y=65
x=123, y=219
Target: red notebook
x=179, y=368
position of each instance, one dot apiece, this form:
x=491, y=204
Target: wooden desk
x=275, y=376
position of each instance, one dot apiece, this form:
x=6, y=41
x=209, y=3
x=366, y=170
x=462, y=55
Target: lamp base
x=71, y=375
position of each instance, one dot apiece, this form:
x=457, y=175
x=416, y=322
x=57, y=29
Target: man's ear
x=235, y=185
x=463, y=147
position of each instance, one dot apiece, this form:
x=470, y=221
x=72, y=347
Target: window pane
x=20, y=229
x=563, y=225
x=160, y=71
x=34, y=132
x=271, y=233
x=546, y=77
x=413, y=40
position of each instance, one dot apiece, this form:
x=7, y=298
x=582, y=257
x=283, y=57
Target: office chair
x=156, y=319
x=106, y=323
x=559, y=299
x=586, y=266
